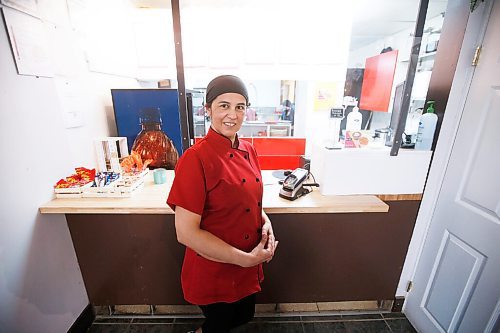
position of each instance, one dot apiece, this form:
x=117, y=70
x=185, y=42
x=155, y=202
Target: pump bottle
x=426, y=128
x=354, y=119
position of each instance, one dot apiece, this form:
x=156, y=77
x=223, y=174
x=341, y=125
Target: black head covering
x=287, y=103
x=225, y=84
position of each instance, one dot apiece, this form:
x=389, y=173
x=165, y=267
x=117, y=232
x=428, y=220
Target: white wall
x=401, y=41
x=264, y=93
x=314, y=125
x=41, y=287
x=303, y=94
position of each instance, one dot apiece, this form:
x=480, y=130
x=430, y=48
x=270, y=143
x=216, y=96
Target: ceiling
x=377, y=19
x=372, y=19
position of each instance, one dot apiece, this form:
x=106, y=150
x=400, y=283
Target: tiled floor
x=287, y=323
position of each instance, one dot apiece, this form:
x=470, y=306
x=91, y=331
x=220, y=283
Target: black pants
x=222, y=317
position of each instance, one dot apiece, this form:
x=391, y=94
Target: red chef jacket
x=223, y=185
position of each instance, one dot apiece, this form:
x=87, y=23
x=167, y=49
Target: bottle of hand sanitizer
x=354, y=119
x=426, y=128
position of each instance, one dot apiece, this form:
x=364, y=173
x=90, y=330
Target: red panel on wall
x=278, y=162
x=277, y=153
x=377, y=81
x=280, y=146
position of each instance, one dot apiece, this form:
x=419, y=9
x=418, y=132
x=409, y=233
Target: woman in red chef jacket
x=217, y=198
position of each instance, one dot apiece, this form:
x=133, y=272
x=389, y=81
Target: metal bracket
x=410, y=76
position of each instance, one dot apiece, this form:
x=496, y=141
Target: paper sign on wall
x=25, y=6
x=29, y=43
x=325, y=96
x=71, y=102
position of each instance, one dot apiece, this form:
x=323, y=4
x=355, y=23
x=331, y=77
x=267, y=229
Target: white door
x=456, y=287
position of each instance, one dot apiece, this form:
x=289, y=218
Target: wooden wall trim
x=400, y=197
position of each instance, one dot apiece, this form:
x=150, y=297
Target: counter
x=332, y=248
x=151, y=200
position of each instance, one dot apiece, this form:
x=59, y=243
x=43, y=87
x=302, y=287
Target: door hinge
x=409, y=286
x=477, y=53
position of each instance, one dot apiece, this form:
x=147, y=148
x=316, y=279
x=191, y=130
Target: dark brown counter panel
x=135, y=258
x=339, y=257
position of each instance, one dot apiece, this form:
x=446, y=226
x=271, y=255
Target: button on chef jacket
x=223, y=185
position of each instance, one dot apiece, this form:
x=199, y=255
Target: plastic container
x=354, y=119
x=426, y=128
x=160, y=176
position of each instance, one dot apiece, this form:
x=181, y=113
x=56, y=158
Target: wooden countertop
x=151, y=200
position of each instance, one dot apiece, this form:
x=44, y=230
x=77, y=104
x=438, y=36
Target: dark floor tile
x=188, y=318
x=269, y=328
x=375, y=326
x=324, y=327
x=322, y=318
x=113, y=320
x=183, y=328
x=276, y=319
x=151, y=328
x=193, y=321
x=393, y=315
x=400, y=326
x=153, y=320
x=108, y=328
x=367, y=316
x=345, y=323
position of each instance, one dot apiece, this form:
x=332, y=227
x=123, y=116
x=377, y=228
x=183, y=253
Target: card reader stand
x=293, y=185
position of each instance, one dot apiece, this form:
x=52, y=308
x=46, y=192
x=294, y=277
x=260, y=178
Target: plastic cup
x=160, y=176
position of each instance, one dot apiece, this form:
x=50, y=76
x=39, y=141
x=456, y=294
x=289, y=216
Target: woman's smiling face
x=227, y=112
